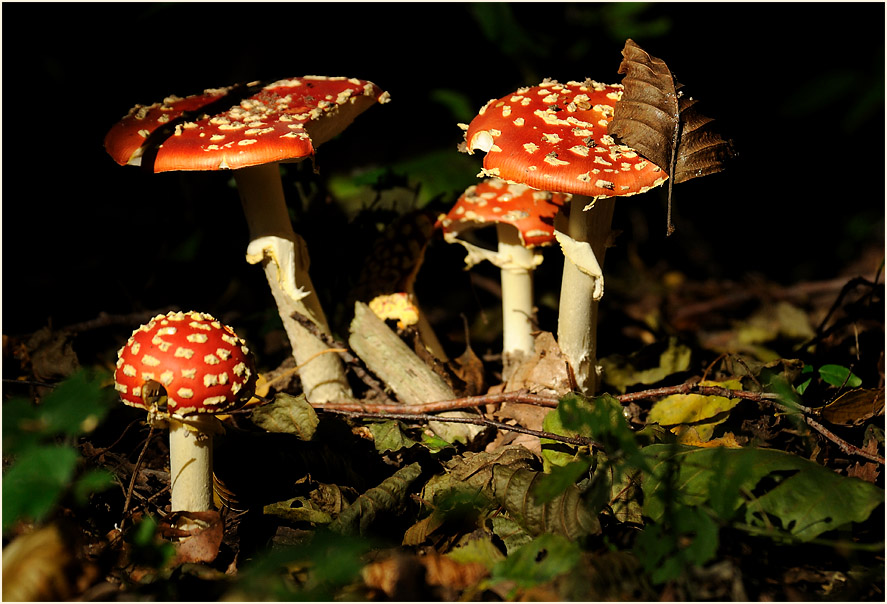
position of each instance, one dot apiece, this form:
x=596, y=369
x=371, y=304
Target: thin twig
x=467, y=402
x=841, y=443
x=479, y=421
x=135, y=473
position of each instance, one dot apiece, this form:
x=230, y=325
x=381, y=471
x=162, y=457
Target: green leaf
x=77, y=405
x=510, y=532
x=388, y=436
x=289, y=415
x=836, y=375
x=803, y=385
x=687, y=537
x=22, y=426
x=559, y=479
x=385, y=497
x=327, y=562
x=92, y=481
x=297, y=509
x=804, y=498
x=74, y=407
x=34, y=483
x=600, y=419
x=481, y=551
x=541, y=560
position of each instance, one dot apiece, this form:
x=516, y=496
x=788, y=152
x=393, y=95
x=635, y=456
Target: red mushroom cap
x=282, y=121
x=493, y=201
x=202, y=364
x=553, y=137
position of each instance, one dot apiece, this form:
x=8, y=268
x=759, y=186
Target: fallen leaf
x=545, y=372
x=855, y=407
x=701, y=412
x=196, y=536
x=287, y=414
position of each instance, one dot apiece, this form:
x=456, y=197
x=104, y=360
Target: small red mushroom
x=524, y=221
x=249, y=129
x=553, y=137
x=183, y=368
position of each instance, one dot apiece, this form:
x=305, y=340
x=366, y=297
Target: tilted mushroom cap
x=285, y=120
x=202, y=364
x=553, y=137
x=494, y=201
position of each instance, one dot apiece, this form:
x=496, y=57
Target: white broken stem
x=582, y=287
x=517, y=296
x=284, y=256
x=191, y=463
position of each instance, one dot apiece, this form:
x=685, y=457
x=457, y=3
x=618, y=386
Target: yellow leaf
x=702, y=412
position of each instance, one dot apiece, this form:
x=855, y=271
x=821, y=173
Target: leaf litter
x=736, y=454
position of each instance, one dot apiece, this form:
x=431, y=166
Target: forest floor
x=738, y=454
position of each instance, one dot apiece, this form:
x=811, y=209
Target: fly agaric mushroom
x=183, y=368
x=553, y=137
x=524, y=221
x=249, y=129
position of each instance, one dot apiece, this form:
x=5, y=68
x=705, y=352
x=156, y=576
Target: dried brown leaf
x=647, y=118
x=855, y=407
x=662, y=124
x=197, y=536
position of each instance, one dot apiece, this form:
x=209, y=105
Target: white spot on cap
x=185, y=393
x=197, y=338
x=150, y=361
x=211, y=359
x=185, y=353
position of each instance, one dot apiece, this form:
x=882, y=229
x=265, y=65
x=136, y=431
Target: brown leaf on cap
x=654, y=117
x=647, y=117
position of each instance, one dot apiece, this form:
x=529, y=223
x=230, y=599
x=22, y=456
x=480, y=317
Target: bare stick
x=479, y=421
x=135, y=473
x=841, y=443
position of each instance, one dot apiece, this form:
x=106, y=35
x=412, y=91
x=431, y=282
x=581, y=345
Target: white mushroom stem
x=284, y=256
x=191, y=463
x=582, y=286
x=517, y=295
x=516, y=264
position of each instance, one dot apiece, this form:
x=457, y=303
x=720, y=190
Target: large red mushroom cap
x=285, y=120
x=494, y=201
x=553, y=137
x=203, y=366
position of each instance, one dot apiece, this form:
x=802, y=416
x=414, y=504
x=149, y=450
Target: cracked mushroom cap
x=203, y=366
x=240, y=126
x=494, y=201
x=553, y=137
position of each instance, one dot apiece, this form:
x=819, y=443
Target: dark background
x=799, y=87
